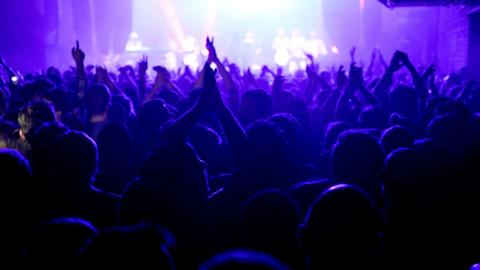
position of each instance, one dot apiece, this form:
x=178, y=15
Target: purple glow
x=253, y=32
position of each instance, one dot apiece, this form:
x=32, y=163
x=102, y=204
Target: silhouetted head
x=434, y=156
x=403, y=100
x=342, y=227
x=15, y=171
x=334, y=129
x=254, y=105
x=357, y=157
x=448, y=130
x=267, y=147
x=454, y=108
x=373, y=117
x=283, y=101
x=74, y=158
x=403, y=184
x=58, y=239
x=42, y=140
x=35, y=114
x=60, y=99
x=396, y=137
x=121, y=108
x=306, y=192
x=243, y=260
x=270, y=220
x=139, y=245
x=36, y=90
x=97, y=99
x=289, y=125
x=153, y=114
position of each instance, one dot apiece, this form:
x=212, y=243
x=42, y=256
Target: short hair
x=74, y=156
x=153, y=114
x=35, y=114
x=289, y=125
x=59, y=238
x=266, y=143
x=13, y=164
x=355, y=154
x=243, y=259
x=97, y=99
x=141, y=245
x=396, y=137
x=342, y=218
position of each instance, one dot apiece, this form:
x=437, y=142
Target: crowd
x=327, y=168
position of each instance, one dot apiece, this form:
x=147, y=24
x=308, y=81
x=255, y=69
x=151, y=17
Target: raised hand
x=397, y=62
x=312, y=72
x=101, y=74
x=212, y=54
x=248, y=78
x=352, y=54
x=309, y=57
x=356, y=76
x=163, y=76
x=278, y=82
x=143, y=64
x=429, y=72
x=77, y=54
x=210, y=98
x=341, y=79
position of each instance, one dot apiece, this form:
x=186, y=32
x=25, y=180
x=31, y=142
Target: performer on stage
x=280, y=46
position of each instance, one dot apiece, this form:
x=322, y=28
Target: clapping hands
x=210, y=98
x=212, y=54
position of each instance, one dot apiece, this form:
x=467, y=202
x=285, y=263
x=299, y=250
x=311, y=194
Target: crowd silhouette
x=327, y=168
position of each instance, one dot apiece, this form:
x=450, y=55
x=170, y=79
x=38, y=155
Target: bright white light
x=335, y=50
x=250, y=7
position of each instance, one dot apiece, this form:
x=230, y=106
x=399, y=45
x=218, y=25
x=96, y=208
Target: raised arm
x=369, y=72
x=231, y=87
x=352, y=55
x=162, y=81
x=79, y=57
x=359, y=84
x=142, y=77
x=234, y=132
x=383, y=86
x=344, y=101
x=209, y=100
x=11, y=75
x=417, y=79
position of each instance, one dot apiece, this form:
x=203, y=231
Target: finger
x=78, y=45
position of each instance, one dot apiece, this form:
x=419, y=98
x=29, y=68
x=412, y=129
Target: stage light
x=251, y=7
x=169, y=11
x=335, y=50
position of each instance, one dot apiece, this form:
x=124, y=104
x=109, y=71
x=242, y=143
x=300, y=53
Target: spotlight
x=335, y=50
